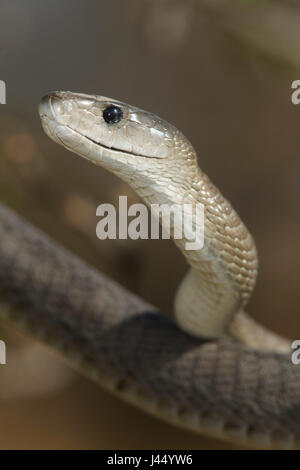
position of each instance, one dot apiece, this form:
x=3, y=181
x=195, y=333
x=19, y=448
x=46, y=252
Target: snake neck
x=210, y=300
x=223, y=271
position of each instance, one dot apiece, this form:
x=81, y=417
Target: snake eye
x=112, y=114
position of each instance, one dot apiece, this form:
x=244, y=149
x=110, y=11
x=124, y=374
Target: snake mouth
x=106, y=147
x=47, y=112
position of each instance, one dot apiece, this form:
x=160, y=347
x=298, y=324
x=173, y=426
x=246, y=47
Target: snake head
x=107, y=131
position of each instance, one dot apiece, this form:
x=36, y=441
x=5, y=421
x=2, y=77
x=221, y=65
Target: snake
x=212, y=369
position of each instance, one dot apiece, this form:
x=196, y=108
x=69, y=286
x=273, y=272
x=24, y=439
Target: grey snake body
x=219, y=387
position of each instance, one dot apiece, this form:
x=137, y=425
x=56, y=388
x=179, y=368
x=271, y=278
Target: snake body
x=217, y=387
x=160, y=164
x=217, y=372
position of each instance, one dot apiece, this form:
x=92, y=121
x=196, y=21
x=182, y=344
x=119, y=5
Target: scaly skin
x=160, y=164
x=219, y=388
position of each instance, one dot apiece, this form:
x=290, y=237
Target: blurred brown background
x=223, y=76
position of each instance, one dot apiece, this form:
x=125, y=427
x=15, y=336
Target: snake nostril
x=44, y=106
x=45, y=99
x=50, y=105
x=52, y=94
